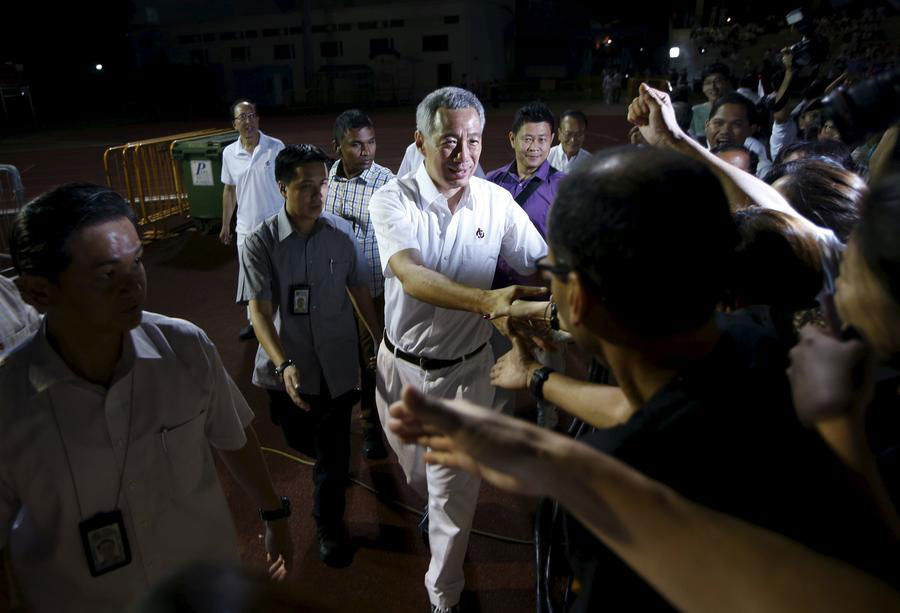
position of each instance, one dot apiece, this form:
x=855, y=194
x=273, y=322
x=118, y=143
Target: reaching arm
x=432, y=287
x=885, y=154
x=783, y=112
x=698, y=559
x=264, y=327
x=229, y=204
x=653, y=111
x=249, y=469
x=602, y=406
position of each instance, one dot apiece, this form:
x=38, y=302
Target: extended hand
x=653, y=113
x=292, y=386
x=500, y=301
x=830, y=377
x=279, y=549
x=508, y=452
x=511, y=370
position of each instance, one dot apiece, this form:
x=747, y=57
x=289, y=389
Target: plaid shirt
x=349, y=198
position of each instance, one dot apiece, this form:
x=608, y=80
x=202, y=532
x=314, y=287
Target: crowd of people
x=740, y=443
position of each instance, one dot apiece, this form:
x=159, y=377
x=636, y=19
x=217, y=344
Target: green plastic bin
x=200, y=159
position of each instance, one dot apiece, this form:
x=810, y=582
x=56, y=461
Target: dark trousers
x=322, y=433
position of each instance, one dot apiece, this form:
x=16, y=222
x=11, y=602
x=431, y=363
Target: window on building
x=270, y=32
x=240, y=54
x=435, y=43
x=251, y=33
x=451, y=19
x=331, y=48
x=227, y=35
x=379, y=46
x=209, y=37
x=283, y=52
x=367, y=25
x=397, y=23
x=187, y=39
x=344, y=27
x=296, y=29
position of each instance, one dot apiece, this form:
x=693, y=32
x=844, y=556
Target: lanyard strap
x=66, y=450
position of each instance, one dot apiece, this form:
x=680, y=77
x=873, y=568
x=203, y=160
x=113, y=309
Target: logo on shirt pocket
x=479, y=233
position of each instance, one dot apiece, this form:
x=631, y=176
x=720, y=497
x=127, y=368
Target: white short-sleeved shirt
x=783, y=134
x=410, y=213
x=756, y=146
x=172, y=381
x=561, y=162
x=413, y=158
x=253, y=177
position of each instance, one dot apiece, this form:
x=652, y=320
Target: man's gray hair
x=452, y=98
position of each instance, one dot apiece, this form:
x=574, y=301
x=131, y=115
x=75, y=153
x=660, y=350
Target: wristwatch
x=284, y=511
x=538, y=378
x=554, y=317
x=279, y=370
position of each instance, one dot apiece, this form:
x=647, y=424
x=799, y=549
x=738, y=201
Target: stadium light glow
x=674, y=52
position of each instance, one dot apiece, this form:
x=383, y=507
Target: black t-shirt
x=724, y=434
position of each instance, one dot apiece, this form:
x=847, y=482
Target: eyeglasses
x=560, y=270
x=244, y=117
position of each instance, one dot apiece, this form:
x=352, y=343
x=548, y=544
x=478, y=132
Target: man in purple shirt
x=529, y=177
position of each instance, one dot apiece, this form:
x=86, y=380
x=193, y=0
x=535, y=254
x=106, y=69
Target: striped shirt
x=349, y=198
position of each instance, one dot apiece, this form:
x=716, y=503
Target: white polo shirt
x=173, y=506
x=253, y=176
x=563, y=163
x=410, y=213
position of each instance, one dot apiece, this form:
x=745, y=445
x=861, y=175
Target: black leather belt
x=427, y=363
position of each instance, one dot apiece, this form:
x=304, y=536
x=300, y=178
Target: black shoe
x=334, y=548
x=247, y=333
x=373, y=445
x=423, y=527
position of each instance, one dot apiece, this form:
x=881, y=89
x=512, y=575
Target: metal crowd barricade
x=147, y=175
x=12, y=197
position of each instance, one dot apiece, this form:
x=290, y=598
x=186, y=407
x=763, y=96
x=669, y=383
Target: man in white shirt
x=568, y=154
x=107, y=483
x=248, y=172
x=440, y=232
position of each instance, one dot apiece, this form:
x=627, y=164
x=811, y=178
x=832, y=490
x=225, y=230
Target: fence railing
x=147, y=175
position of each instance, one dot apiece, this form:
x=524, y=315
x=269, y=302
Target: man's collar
x=541, y=173
x=261, y=144
x=46, y=367
x=365, y=176
x=285, y=228
x=283, y=224
x=428, y=192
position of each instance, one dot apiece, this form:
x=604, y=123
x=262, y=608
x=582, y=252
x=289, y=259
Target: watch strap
x=538, y=378
x=279, y=370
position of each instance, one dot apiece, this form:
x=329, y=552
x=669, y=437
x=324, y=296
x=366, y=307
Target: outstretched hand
x=507, y=452
x=653, y=113
x=500, y=301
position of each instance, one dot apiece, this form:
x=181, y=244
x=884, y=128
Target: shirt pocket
x=478, y=265
x=186, y=448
